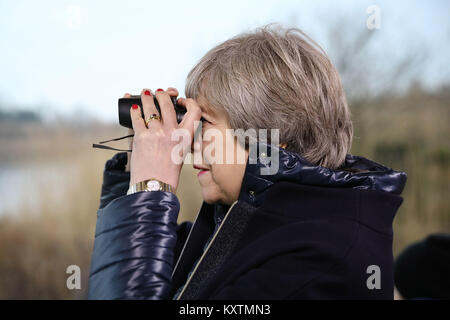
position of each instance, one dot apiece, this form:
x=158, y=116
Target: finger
x=130, y=139
x=193, y=113
x=169, y=117
x=173, y=92
x=136, y=120
x=130, y=147
x=149, y=106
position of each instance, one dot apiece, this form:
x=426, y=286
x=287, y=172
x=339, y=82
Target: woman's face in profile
x=221, y=169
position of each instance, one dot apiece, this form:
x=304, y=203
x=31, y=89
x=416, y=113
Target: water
x=28, y=183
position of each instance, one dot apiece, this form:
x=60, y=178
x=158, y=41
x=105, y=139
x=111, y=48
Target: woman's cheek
x=210, y=190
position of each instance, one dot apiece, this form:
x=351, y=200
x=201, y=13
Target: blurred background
x=64, y=64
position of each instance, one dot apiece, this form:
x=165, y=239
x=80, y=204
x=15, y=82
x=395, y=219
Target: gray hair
x=278, y=78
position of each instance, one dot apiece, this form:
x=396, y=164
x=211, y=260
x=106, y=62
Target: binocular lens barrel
x=126, y=103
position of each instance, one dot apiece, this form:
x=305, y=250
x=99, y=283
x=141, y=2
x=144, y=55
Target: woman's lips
x=202, y=170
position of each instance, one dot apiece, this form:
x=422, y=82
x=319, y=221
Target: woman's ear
x=283, y=145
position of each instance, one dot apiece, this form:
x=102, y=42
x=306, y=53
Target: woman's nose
x=196, y=147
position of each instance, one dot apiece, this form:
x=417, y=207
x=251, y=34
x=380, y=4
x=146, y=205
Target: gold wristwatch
x=150, y=185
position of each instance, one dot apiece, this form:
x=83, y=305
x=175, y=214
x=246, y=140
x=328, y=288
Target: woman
x=318, y=227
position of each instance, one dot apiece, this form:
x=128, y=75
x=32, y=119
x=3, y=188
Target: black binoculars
x=125, y=117
x=126, y=103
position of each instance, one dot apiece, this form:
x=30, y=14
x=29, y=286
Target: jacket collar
x=356, y=172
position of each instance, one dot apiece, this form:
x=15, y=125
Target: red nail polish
x=135, y=106
x=160, y=89
x=147, y=93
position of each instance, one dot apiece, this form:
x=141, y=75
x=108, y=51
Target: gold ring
x=151, y=117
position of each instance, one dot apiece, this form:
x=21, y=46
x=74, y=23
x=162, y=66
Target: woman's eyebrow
x=205, y=110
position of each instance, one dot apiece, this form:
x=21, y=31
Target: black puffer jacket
x=307, y=232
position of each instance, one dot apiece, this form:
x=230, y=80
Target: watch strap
x=143, y=186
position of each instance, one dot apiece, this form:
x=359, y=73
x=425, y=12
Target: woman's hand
x=152, y=146
x=172, y=92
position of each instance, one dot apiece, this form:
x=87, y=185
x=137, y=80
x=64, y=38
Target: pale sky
x=64, y=56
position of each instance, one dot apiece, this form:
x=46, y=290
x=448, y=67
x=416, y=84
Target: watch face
x=153, y=185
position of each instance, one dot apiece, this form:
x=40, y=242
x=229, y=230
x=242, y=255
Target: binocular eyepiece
x=126, y=103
